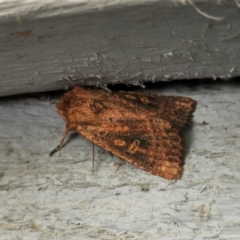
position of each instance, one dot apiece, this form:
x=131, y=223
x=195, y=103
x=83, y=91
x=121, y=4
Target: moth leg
x=65, y=133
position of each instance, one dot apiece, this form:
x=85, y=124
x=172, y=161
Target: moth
x=141, y=128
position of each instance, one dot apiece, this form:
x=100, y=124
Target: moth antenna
x=65, y=133
x=93, y=148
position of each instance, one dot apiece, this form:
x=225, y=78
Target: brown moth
x=143, y=129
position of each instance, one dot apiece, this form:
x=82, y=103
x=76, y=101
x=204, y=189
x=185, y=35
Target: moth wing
x=156, y=150
x=175, y=109
x=143, y=129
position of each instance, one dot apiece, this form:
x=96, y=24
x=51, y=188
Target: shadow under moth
x=141, y=128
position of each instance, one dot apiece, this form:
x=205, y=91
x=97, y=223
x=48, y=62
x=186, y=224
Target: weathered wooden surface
x=61, y=198
x=49, y=45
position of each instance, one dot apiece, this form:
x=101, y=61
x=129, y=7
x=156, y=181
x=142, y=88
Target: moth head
x=63, y=105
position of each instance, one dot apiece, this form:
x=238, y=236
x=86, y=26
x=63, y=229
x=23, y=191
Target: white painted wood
x=49, y=45
x=60, y=198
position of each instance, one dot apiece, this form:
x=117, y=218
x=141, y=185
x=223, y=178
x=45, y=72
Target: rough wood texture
x=49, y=45
x=61, y=198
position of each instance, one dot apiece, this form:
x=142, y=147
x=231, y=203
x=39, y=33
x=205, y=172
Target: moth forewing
x=143, y=129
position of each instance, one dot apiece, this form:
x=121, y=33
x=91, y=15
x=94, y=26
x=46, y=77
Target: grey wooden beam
x=49, y=45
